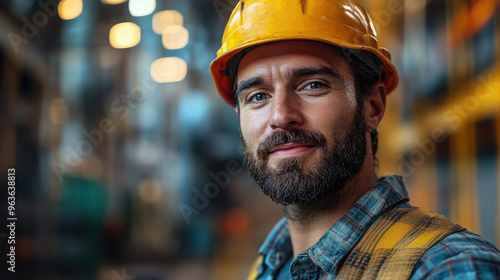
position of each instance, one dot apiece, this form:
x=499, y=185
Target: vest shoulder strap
x=254, y=269
x=394, y=243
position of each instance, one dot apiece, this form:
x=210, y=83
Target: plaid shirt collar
x=335, y=244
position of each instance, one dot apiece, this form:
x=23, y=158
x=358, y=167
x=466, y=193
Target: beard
x=291, y=183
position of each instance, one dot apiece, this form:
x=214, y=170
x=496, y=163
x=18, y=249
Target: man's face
x=302, y=125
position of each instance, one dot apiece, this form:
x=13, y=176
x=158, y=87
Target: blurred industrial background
x=129, y=166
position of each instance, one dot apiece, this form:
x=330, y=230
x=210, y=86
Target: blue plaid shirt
x=461, y=255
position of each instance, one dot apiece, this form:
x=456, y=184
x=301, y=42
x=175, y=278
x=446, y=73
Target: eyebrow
x=310, y=71
x=246, y=84
x=294, y=73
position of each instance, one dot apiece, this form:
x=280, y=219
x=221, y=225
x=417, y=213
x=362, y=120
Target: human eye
x=315, y=85
x=256, y=98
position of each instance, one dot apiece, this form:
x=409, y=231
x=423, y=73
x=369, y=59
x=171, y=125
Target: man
x=309, y=85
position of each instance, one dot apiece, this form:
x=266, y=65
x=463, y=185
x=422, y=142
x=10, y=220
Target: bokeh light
x=124, y=35
x=175, y=37
x=168, y=69
x=113, y=2
x=139, y=8
x=163, y=19
x=236, y=221
x=70, y=9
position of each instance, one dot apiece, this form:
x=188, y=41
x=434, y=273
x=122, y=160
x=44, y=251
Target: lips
x=290, y=143
x=290, y=149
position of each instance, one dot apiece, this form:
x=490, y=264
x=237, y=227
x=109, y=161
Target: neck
x=308, y=223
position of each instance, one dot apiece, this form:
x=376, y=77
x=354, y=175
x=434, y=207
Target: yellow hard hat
x=342, y=23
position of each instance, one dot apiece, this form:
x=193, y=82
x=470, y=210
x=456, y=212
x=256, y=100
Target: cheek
x=335, y=112
x=332, y=119
x=327, y=116
x=252, y=129
x=351, y=96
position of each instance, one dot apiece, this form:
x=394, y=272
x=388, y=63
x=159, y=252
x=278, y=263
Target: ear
x=237, y=111
x=375, y=105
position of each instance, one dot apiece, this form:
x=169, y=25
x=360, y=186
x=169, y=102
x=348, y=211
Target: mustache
x=293, y=135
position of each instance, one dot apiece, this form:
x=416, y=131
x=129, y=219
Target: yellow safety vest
x=392, y=246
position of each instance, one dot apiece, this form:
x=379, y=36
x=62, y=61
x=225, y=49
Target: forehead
x=293, y=54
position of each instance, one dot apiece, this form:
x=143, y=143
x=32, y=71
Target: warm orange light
x=168, y=70
x=113, y=2
x=236, y=221
x=480, y=14
x=175, y=37
x=70, y=9
x=163, y=19
x=124, y=35
x=470, y=19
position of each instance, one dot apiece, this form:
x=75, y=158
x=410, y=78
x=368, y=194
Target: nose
x=285, y=111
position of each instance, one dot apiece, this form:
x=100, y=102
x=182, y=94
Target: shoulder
x=461, y=255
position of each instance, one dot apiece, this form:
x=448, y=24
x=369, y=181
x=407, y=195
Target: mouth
x=291, y=149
